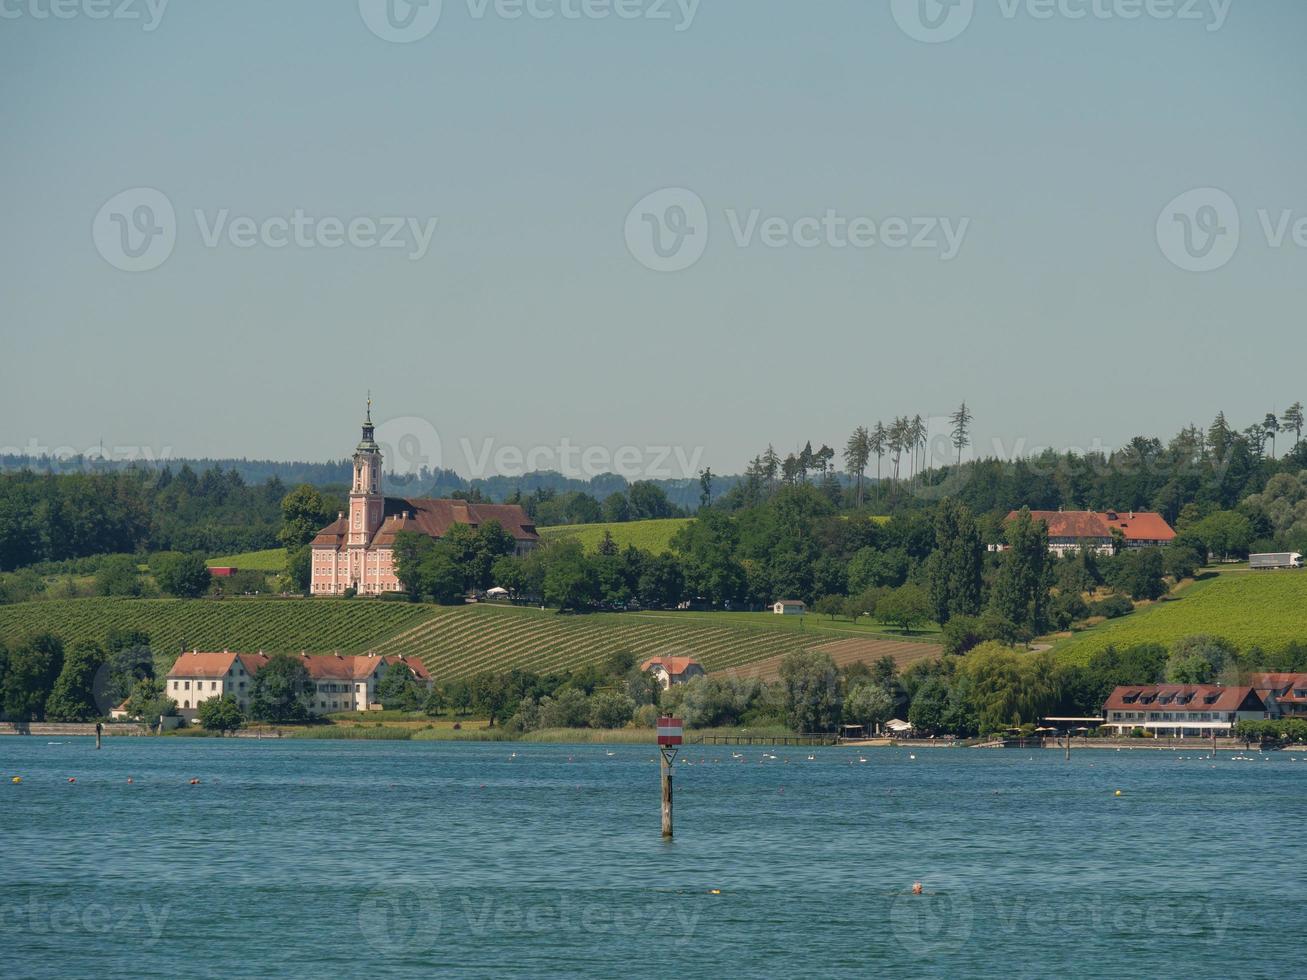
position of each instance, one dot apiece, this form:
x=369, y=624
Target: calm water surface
x=296, y=858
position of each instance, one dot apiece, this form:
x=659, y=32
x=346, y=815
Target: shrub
x=1113, y=607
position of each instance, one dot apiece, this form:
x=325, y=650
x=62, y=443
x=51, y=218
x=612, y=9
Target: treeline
x=44, y=517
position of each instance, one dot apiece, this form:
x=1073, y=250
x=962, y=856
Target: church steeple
x=368, y=444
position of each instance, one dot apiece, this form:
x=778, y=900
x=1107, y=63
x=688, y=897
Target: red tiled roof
x=433, y=518
x=1281, y=686
x=1140, y=525
x=326, y=666
x=198, y=663
x=1136, y=526
x=675, y=666
x=1183, y=697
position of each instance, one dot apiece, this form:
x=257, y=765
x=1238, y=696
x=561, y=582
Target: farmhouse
x=672, y=670
x=357, y=551
x=1186, y=710
x=788, y=607
x=1075, y=530
x=337, y=683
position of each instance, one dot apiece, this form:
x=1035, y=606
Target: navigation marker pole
x=670, y=735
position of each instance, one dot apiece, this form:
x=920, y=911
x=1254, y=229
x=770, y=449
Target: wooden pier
x=766, y=740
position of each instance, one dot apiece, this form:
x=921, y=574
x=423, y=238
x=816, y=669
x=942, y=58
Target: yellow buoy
x=1118, y=792
x=16, y=779
x=715, y=891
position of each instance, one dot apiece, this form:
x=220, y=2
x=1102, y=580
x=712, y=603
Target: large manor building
x=356, y=551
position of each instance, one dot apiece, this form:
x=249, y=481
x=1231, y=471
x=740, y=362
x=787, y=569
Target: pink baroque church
x=357, y=552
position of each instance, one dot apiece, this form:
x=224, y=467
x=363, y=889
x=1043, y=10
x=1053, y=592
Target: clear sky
x=1041, y=270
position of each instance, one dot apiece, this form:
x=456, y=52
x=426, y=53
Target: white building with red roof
x=1076, y=530
x=1185, y=710
x=337, y=682
x=356, y=551
x=672, y=670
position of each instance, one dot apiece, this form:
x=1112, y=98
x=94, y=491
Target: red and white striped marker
x=670, y=731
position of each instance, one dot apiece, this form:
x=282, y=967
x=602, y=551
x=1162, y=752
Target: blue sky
x=1054, y=143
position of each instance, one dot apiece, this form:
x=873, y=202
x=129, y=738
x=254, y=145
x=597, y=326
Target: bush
x=609, y=709
x=646, y=716
x=184, y=576
x=570, y=708
x=961, y=633
x=1113, y=607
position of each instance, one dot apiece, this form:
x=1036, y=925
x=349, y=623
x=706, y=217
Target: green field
x=272, y=560
x=457, y=642
x=320, y=625
x=454, y=641
x=653, y=536
x=1267, y=609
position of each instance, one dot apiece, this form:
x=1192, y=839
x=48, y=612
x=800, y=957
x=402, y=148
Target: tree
x=929, y=706
x=73, y=696
x=568, y=708
x=961, y=422
x=705, y=487
x=118, y=576
x=279, y=689
x=490, y=695
x=869, y=705
x=954, y=569
x=304, y=512
x=812, y=694
x=1140, y=573
x=649, y=501
x=427, y=567
x=617, y=509
x=877, y=442
x=906, y=607
x=1293, y=422
x=1226, y=533
x=397, y=690
x=1021, y=589
x=857, y=453
x=1271, y=426
x=829, y=605
x=149, y=702
x=184, y=576
x=610, y=709
x=570, y=581
x=220, y=714
x=34, y=665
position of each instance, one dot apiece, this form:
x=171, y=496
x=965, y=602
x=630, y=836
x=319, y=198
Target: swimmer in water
x=917, y=888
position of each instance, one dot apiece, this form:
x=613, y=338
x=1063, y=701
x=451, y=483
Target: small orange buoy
x=72, y=779
x=195, y=782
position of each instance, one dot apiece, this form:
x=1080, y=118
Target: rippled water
x=295, y=858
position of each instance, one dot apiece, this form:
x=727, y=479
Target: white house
x=337, y=683
x=788, y=607
x=672, y=670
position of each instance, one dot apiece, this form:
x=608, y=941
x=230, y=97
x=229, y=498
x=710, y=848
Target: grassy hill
x=454, y=641
x=654, y=536
x=1268, y=609
x=271, y=560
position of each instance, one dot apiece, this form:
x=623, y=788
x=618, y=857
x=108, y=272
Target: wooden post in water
x=668, y=755
x=670, y=732
x=99, y=728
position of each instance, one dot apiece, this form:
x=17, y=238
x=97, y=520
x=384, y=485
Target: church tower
x=366, y=502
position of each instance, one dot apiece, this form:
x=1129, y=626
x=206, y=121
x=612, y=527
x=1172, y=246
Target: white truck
x=1276, y=559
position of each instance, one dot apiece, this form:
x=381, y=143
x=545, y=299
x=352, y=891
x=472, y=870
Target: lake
x=309, y=858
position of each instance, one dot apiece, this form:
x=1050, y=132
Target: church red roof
x=433, y=518
x=1133, y=525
